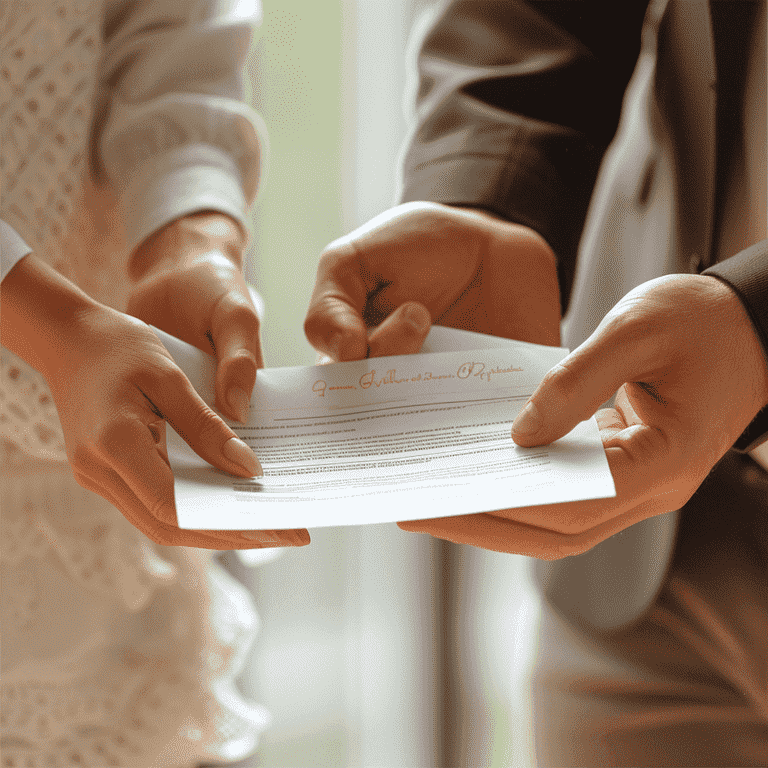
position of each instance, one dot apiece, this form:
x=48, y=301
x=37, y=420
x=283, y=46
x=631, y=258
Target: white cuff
x=180, y=182
x=760, y=455
x=12, y=249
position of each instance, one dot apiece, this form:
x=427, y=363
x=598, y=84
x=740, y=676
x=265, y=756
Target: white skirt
x=116, y=651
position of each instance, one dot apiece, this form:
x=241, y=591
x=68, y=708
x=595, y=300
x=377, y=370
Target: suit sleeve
x=516, y=104
x=747, y=274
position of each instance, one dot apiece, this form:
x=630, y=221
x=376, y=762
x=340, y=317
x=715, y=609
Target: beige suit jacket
x=509, y=91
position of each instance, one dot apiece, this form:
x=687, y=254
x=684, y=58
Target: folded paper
x=386, y=439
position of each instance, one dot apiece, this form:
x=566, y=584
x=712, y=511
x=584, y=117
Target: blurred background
x=377, y=647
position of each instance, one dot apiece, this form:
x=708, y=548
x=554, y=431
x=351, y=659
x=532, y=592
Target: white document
x=386, y=439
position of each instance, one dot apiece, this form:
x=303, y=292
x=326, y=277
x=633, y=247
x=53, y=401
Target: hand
x=116, y=445
x=690, y=374
x=379, y=288
x=188, y=281
x=114, y=386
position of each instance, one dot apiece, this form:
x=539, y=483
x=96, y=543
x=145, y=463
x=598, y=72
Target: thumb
x=336, y=329
x=572, y=391
x=402, y=333
x=235, y=338
x=334, y=324
x=176, y=401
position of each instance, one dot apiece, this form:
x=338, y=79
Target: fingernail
x=239, y=453
x=418, y=318
x=528, y=421
x=239, y=402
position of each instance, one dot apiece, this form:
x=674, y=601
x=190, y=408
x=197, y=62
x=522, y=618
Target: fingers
x=171, y=396
x=128, y=449
x=110, y=486
x=494, y=533
x=576, y=387
x=235, y=337
x=402, y=333
x=644, y=474
x=334, y=324
x=498, y=534
x=298, y=537
x=650, y=479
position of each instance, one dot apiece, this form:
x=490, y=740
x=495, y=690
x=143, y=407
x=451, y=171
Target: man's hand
x=379, y=288
x=188, y=282
x=690, y=374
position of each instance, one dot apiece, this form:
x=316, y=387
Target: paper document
x=387, y=439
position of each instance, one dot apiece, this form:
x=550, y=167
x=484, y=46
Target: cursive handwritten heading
x=320, y=386
x=371, y=379
x=479, y=370
x=368, y=380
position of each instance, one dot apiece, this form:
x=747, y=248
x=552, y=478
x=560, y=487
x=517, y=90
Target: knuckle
x=326, y=320
x=208, y=427
x=640, y=325
x=162, y=376
x=624, y=324
x=650, y=446
x=118, y=434
x=235, y=308
x=561, y=380
x=336, y=255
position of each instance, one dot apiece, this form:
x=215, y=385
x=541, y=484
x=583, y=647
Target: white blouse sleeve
x=172, y=132
x=12, y=249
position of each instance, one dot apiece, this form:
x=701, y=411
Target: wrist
x=40, y=308
x=538, y=244
x=751, y=354
x=749, y=330
x=186, y=239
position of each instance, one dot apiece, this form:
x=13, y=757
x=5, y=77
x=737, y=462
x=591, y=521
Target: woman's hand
x=187, y=280
x=115, y=386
